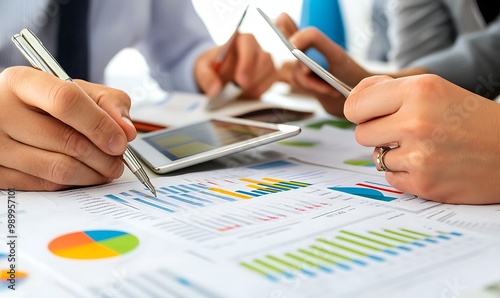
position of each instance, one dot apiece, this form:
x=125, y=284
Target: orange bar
x=231, y=193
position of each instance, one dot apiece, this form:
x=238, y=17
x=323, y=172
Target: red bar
x=379, y=188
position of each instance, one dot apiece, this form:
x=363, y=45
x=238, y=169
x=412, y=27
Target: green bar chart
x=346, y=251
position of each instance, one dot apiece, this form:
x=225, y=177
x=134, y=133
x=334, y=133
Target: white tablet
x=342, y=87
x=171, y=149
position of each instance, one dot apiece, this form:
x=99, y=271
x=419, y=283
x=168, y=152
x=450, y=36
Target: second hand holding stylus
x=231, y=90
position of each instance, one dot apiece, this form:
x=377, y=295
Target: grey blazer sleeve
x=424, y=33
x=473, y=61
x=417, y=28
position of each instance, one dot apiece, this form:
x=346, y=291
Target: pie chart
x=93, y=244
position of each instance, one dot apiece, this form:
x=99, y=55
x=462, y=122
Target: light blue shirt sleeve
x=169, y=34
x=175, y=39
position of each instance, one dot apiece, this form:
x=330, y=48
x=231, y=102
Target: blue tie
x=72, y=39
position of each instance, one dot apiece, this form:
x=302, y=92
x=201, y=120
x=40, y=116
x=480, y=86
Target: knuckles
x=63, y=99
x=62, y=170
x=75, y=144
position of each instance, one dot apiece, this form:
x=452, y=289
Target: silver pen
x=39, y=57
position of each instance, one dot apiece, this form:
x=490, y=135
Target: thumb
x=207, y=78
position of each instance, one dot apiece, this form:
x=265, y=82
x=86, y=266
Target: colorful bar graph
x=117, y=199
x=379, y=188
x=186, y=201
x=370, y=190
x=197, y=198
x=272, y=165
x=153, y=205
x=184, y=197
x=218, y=196
x=230, y=193
x=247, y=193
x=346, y=251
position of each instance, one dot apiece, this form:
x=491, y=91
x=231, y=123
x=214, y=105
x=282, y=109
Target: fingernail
x=117, y=144
x=128, y=121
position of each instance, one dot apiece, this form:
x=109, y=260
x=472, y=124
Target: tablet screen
x=202, y=137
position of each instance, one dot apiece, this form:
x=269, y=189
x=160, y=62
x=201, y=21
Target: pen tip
x=151, y=188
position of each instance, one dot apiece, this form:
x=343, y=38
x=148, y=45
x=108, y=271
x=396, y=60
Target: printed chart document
x=276, y=229
x=329, y=143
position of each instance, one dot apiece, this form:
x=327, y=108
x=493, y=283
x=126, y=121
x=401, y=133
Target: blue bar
x=288, y=274
x=196, y=198
x=308, y=273
x=430, y=240
x=199, y=186
x=390, y=252
x=193, y=287
x=169, y=190
x=115, y=198
x=218, y=196
x=153, y=205
x=163, y=201
x=267, y=191
x=288, y=185
x=376, y=258
x=125, y=194
x=248, y=193
x=418, y=244
x=404, y=248
x=325, y=269
x=456, y=234
x=271, y=277
x=344, y=266
x=187, y=201
x=359, y=262
x=444, y=237
x=188, y=187
x=379, y=184
x=140, y=193
x=272, y=187
x=178, y=188
x=270, y=165
x=308, y=184
x=193, y=106
x=260, y=192
x=162, y=192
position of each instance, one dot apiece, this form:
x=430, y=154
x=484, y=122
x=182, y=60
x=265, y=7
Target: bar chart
x=157, y=283
x=184, y=197
x=353, y=252
x=372, y=190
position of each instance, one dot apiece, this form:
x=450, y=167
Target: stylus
x=231, y=91
x=39, y=57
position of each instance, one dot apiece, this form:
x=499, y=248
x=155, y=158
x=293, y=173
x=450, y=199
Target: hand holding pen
x=63, y=134
x=239, y=63
x=231, y=90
